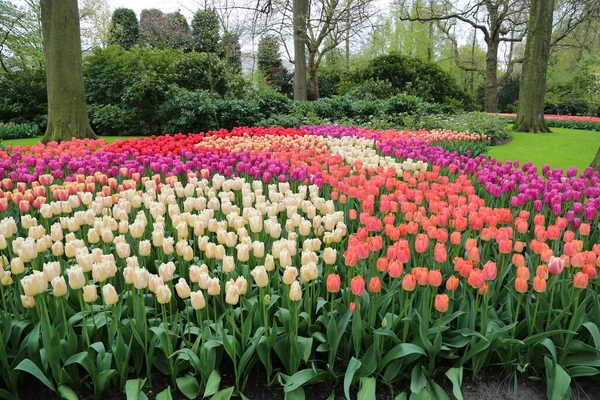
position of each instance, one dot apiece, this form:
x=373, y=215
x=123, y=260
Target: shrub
x=24, y=98
x=18, y=131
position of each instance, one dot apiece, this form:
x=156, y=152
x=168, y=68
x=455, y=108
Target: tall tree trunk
x=312, y=74
x=530, y=116
x=491, y=77
x=300, y=14
x=67, y=115
x=596, y=162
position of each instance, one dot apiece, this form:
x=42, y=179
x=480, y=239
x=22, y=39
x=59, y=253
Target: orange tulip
x=523, y=272
x=357, y=284
x=434, y=277
x=333, y=283
x=452, y=283
x=539, y=284
x=580, y=281
x=375, y=285
x=521, y=285
x=441, y=302
x=408, y=283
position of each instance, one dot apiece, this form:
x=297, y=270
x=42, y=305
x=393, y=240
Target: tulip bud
x=163, y=294
x=441, y=302
x=90, y=293
x=213, y=286
x=109, y=294
x=260, y=276
x=59, y=286
x=197, y=300
x=183, y=289
x=27, y=301
x=295, y=291
x=76, y=277
x=333, y=283
x=289, y=275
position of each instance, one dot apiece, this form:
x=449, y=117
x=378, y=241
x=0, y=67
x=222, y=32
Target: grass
x=563, y=148
x=35, y=140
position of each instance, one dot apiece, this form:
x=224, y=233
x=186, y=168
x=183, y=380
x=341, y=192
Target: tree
x=299, y=22
x=530, y=117
x=21, y=43
x=269, y=60
x=231, y=51
x=124, y=28
x=596, y=162
x=205, y=31
x=498, y=20
x=67, y=114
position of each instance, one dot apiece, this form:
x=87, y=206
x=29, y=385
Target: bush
x=188, y=111
x=414, y=76
x=370, y=89
x=477, y=122
x=24, y=98
x=18, y=131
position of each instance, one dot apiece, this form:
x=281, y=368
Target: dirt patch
x=502, y=142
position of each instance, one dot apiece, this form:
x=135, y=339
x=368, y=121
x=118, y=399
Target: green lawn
x=563, y=148
x=31, y=141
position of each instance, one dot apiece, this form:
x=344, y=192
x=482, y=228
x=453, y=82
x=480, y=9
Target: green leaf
x=593, y=329
x=212, y=386
x=401, y=396
x=28, y=366
x=102, y=379
x=582, y=370
x=224, y=394
x=367, y=389
x=558, y=380
x=67, y=393
x=349, y=376
x=188, y=385
x=400, y=351
x=417, y=379
x=456, y=376
x=133, y=387
x=297, y=394
x=304, y=377
x=165, y=394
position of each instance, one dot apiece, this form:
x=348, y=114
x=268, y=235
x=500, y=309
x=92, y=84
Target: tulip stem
x=83, y=319
x=550, y=305
x=535, y=311
x=169, y=349
x=516, y=319
x=64, y=314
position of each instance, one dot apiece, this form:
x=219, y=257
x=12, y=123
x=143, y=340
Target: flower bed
x=564, y=121
x=316, y=254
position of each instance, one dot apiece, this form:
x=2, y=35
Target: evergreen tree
x=205, y=31
x=124, y=28
x=269, y=60
x=231, y=51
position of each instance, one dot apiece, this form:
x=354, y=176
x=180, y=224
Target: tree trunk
x=596, y=162
x=300, y=12
x=67, y=115
x=491, y=77
x=312, y=73
x=530, y=116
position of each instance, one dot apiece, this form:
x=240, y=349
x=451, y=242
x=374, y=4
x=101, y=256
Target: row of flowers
x=331, y=252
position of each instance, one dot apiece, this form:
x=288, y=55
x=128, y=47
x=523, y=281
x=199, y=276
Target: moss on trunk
x=67, y=114
x=596, y=161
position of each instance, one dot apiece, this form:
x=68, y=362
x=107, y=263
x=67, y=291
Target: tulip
x=580, y=281
x=163, y=294
x=333, y=283
x=154, y=282
x=183, y=289
x=232, y=295
x=213, y=286
x=28, y=301
x=76, y=277
x=441, y=302
x=357, y=284
x=408, y=283
x=476, y=278
x=521, y=285
x=59, y=286
x=395, y=269
x=261, y=278
x=329, y=256
x=434, y=278
x=144, y=248
x=353, y=306
x=375, y=285
x=539, y=284
x=197, y=300
x=382, y=264
x=90, y=293
x=166, y=271
x=295, y=291
x=289, y=275
x=109, y=294
x=309, y=272
x=141, y=278
x=6, y=280
x=556, y=265
x=452, y=283
x=523, y=272
x=242, y=285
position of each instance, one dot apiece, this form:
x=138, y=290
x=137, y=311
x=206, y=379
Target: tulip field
x=369, y=260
